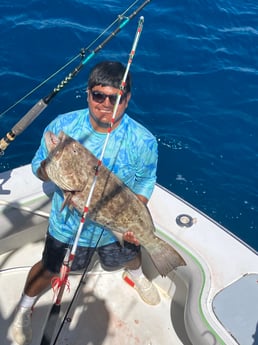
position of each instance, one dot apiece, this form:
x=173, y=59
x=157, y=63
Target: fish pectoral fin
x=119, y=236
x=67, y=201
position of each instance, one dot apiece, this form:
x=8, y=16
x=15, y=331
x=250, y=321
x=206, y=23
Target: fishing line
x=36, y=110
x=70, y=255
x=76, y=293
x=81, y=54
x=50, y=326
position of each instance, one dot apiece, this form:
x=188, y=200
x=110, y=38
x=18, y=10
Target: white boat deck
x=105, y=309
x=212, y=300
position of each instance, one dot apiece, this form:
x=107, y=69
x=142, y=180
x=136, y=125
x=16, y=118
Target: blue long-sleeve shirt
x=131, y=154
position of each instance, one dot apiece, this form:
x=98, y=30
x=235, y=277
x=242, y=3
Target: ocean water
x=195, y=86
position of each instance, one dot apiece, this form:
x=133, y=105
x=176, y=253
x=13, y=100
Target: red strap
x=129, y=281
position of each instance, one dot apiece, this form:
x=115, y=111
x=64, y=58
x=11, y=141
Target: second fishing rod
x=38, y=108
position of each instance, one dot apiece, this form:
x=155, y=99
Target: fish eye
x=75, y=150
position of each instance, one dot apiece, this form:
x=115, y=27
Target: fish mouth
x=56, y=145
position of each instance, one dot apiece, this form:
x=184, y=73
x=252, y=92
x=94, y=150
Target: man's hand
x=130, y=237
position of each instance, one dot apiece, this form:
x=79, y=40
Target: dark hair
x=109, y=73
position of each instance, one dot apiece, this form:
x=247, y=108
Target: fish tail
x=164, y=257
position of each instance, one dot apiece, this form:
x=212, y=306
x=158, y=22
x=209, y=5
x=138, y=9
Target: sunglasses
x=100, y=97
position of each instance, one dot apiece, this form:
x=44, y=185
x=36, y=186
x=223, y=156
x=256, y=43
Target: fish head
x=65, y=161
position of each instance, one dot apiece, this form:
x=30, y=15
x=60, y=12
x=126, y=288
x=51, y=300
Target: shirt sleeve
x=39, y=156
x=145, y=177
x=42, y=151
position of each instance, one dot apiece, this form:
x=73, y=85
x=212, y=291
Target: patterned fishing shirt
x=131, y=154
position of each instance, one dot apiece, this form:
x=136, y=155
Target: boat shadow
x=88, y=321
x=255, y=336
x=22, y=224
x=91, y=324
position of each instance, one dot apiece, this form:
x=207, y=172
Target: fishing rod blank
x=66, y=267
x=81, y=54
x=38, y=108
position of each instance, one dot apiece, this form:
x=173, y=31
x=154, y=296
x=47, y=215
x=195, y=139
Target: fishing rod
x=62, y=281
x=81, y=54
x=38, y=108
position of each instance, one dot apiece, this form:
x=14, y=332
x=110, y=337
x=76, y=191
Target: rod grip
x=30, y=116
x=20, y=126
x=4, y=142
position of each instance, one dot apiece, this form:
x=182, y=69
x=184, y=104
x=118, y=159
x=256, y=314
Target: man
x=131, y=154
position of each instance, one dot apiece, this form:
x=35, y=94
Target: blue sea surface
x=195, y=86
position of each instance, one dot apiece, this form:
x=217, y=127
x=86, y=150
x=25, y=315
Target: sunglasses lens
x=100, y=97
x=112, y=99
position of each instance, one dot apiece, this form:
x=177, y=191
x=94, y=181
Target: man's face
x=101, y=106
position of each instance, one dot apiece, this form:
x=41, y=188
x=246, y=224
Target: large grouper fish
x=72, y=168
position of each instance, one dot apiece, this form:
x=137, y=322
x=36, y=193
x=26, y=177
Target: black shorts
x=111, y=256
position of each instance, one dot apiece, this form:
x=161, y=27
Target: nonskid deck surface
x=106, y=310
